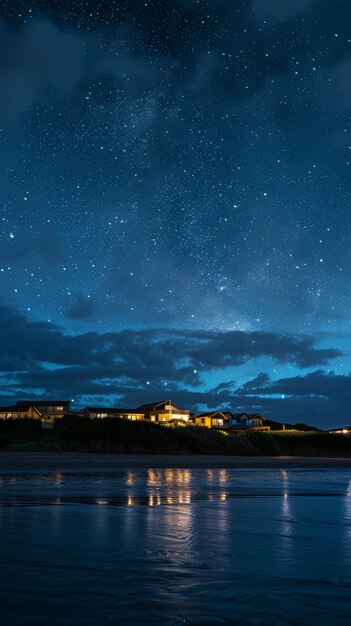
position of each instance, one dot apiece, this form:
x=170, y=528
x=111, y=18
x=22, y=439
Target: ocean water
x=176, y=546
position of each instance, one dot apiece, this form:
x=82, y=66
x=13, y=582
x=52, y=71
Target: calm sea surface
x=176, y=546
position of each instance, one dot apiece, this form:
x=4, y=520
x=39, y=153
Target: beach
x=42, y=461
x=265, y=541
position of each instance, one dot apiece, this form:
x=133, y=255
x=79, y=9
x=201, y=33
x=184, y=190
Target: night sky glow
x=175, y=204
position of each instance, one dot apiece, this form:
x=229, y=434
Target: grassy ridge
x=120, y=436
x=114, y=435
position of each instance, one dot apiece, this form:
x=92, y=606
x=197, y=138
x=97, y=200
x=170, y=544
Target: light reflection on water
x=176, y=546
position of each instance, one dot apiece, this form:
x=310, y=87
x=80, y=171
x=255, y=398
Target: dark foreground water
x=177, y=546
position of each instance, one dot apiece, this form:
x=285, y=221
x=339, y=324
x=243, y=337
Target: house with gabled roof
x=49, y=409
x=19, y=411
x=209, y=419
x=246, y=421
x=98, y=412
x=164, y=411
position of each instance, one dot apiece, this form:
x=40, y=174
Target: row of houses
x=159, y=412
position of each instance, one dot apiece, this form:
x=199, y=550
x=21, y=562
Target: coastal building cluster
x=163, y=412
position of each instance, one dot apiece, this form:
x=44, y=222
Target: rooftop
x=152, y=405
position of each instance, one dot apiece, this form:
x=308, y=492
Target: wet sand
x=42, y=461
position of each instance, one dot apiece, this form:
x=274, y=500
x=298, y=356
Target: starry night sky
x=175, y=204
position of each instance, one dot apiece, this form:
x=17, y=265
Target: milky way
x=175, y=204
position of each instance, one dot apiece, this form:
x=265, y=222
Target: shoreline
x=71, y=461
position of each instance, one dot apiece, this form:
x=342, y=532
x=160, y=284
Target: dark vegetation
x=20, y=432
x=115, y=435
x=78, y=434
x=298, y=426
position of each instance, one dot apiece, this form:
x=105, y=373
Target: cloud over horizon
x=132, y=366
